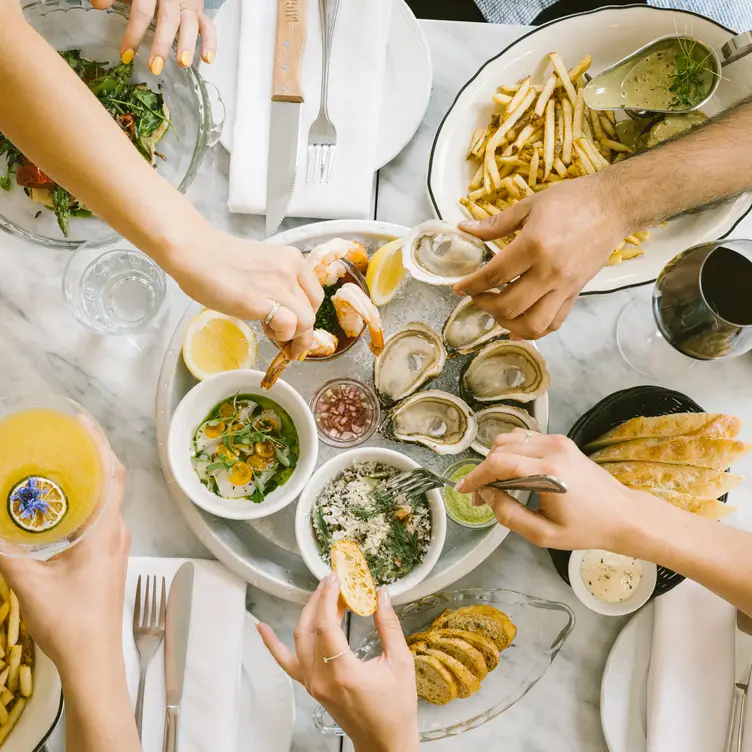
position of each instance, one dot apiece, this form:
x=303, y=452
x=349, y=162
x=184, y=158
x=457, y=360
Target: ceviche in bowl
x=401, y=536
x=241, y=452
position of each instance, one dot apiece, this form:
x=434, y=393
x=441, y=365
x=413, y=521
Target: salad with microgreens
x=140, y=112
x=245, y=448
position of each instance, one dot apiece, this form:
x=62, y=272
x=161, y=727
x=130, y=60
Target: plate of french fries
x=520, y=125
x=30, y=688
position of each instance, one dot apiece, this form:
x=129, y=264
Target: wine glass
x=701, y=309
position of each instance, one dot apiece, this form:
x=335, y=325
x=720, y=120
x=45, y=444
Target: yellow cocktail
x=55, y=474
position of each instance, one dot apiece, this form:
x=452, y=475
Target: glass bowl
x=469, y=462
x=75, y=24
x=369, y=401
x=542, y=629
x=78, y=521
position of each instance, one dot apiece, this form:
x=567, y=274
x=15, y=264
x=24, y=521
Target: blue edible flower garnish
x=30, y=499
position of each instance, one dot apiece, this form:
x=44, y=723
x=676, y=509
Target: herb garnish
x=690, y=81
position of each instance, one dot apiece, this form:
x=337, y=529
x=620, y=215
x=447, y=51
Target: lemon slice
x=215, y=343
x=385, y=272
x=37, y=504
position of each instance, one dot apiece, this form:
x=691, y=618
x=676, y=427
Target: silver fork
x=148, y=633
x=322, y=138
x=420, y=480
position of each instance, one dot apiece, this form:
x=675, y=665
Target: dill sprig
x=689, y=83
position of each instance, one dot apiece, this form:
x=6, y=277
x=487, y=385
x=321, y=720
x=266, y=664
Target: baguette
x=358, y=589
x=434, y=682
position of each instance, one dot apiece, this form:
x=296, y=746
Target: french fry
x=584, y=159
x=614, y=259
x=607, y=126
x=477, y=180
x=580, y=68
x=478, y=136
x=4, y=589
x=574, y=171
x=579, y=111
x=643, y=235
x=545, y=95
x=611, y=115
x=630, y=253
x=532, y=175
x=563, y=76
x=14, y=621
x=477, y=194
x=549, y=137
x=507, y=170
x=500, y=98
x=473, y=210
x=4, y=716
x=4, y=678
x=567, y=118
x=508, y=89
x=509, y=122
x=493, y=170
x=4, y=611
x=559, y=129
x=6, y=697
x=587, y=131
x=596, y=158
x=15, y=663
x=15, y=714
x=25, y=681
x=512, y=188
x=560, y=168
x=595, y=123
x=522, y=185
x=519, y=97
x=489, y=208
x=615, y=146
x=523, y=137
x=633, y=239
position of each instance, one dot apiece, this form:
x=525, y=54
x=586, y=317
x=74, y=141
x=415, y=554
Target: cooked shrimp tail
x=280, y=362
x=324, y=343
x=354, y=310
x=326, y=259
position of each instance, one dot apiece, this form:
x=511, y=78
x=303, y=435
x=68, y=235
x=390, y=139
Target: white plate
x=624, y=688
x=267, y=699
x=407, y=77
x=608, y=34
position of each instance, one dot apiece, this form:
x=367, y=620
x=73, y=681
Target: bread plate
x=608, y=34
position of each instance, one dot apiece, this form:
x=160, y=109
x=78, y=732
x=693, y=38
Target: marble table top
x=43, y=349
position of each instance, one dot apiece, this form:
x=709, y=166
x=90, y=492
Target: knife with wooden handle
x=286, y=110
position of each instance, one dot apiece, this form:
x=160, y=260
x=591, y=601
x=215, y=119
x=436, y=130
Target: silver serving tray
x=264, y=552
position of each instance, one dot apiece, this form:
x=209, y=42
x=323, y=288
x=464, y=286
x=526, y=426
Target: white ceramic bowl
x=309, y=549
x=192, y=411
x=638, y=600
x=42, y=711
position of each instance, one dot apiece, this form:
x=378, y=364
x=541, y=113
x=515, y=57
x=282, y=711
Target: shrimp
x=326, y=259
x=354, y=310
x=324, y=343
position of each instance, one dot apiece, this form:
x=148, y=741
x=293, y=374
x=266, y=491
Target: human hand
x=245, y=278
x=567, y=233
x=73, y=603
x=596, y=512
x=375, y=702
x=183, y=19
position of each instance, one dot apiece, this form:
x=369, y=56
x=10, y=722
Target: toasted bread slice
x=462, y=651
x=507, y=624
x=480, y=642
x=467, y=682
x=416, y=637
x=434, y=681
x=358, y=590
x=484, y=624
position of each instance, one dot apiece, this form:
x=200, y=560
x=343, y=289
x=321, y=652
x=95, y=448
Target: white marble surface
x=43, y=349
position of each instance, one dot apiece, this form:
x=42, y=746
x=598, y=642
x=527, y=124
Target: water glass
x=114, y=289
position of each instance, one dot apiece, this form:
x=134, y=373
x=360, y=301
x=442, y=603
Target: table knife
x=286, y=111
x=176, y=649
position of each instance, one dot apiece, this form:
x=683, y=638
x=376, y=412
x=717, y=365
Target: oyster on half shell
x=439, y=253
x=468, y=328
x=506, y=370
x=499, y=419
x=410, y=358
x=438, y=420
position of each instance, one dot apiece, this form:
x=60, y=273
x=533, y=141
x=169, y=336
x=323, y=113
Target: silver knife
x=176, y=649
x=287, y=107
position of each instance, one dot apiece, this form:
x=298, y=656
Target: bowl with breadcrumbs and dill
x=401, y=536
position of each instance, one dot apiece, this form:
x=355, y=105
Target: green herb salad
x=245, y=448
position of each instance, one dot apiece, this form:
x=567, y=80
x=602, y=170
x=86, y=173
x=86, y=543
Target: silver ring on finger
x=334, y=657
x=275, y=309
x=528, y=436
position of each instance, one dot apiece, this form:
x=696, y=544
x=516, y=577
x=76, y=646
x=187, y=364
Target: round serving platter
x=264, y=552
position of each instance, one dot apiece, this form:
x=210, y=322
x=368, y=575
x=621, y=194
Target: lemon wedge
x=385, y=272
x=215, y=343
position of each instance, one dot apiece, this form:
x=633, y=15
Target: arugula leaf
x=283, y=457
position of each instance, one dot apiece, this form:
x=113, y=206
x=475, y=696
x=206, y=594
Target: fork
x=420, y=480
x=322, y=137
x=148, y=633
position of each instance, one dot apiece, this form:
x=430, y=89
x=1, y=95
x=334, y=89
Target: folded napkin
x=355, y=92
x=691, y=678
x=209, y=710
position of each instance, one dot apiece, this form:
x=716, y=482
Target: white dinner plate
x=267, y=699
x=624, y=687
x=608, y=35
x=407, y=77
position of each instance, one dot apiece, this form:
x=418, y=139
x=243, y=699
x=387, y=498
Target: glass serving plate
x=75, y=24
x=542, y=629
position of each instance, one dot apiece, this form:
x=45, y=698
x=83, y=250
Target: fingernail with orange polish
x=185, y=58
x=156, y=65
x=127, y=56
x=209, y=56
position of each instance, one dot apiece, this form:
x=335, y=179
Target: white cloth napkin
x=691, y=679
x=355, y=93
x=209, y=710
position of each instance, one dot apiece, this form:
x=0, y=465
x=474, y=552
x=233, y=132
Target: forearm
x=98, y=712
x=717, y=556
x=53, y=119
x=709, y=164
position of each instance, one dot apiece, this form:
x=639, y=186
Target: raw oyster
x=506, y=370
x=499, y=419
x=438, y=420
x=410, y=358
x=439, y=253
x=468, y=328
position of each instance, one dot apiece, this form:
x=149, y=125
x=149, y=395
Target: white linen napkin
x=691, y=678
x=209, y=710
x=355, y=93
